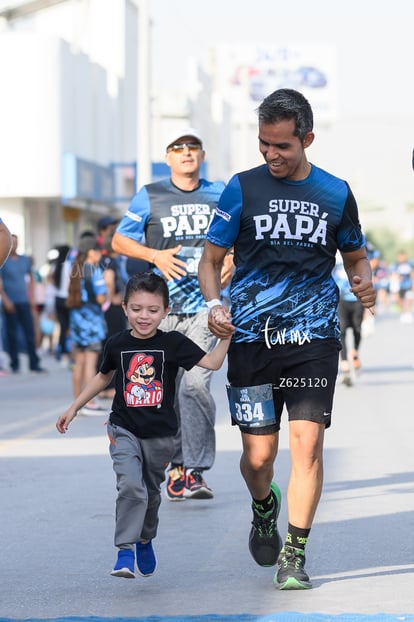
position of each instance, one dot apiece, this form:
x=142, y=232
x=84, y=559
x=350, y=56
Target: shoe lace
x=293, y=558
x=265, y=526
x=197, y=477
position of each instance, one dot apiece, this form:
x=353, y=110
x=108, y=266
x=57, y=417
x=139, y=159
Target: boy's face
x=145, y=311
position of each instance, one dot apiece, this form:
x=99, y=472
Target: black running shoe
x=264, y=540
x=291, y=574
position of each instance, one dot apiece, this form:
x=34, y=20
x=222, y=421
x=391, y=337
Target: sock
x=297, y=537
x=264, y=506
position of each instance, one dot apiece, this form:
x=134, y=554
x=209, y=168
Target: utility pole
x=143, y=141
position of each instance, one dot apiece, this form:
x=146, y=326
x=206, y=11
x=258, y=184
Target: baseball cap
x=105, y=221
x=181, y=132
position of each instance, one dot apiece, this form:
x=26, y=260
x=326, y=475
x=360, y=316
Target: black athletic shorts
x=302, y=377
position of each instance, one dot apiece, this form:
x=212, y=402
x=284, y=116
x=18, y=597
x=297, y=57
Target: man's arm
x=170, y=266
x=5, y=300
x=209, y=270
x=227, y=270
x=209, y=278
x=359, y=273
x=131, y=248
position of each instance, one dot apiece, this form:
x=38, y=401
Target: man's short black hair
x=287, y=104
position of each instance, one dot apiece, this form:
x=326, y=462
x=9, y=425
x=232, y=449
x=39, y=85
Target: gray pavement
x=58, y=494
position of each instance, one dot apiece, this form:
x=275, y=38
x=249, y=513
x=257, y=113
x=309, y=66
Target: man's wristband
x=213, y=303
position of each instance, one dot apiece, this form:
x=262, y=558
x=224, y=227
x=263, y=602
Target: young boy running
x=142, y=423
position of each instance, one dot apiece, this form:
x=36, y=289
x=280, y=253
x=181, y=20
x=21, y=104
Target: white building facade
x=68, y=116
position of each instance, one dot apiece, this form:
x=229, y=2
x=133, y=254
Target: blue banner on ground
x=289, y=616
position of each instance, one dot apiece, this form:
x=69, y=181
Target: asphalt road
x=58, y=494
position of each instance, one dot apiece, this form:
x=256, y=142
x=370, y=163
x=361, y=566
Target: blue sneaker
x=146, y=560
x=124, y=566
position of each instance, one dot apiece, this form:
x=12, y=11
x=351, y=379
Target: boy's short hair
x=147, y=282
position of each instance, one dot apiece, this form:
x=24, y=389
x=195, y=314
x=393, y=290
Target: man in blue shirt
x=166, y=225
x=286, y=220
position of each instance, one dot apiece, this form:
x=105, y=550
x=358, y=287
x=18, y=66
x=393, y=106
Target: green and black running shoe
x=264, y=540
x=291, y=574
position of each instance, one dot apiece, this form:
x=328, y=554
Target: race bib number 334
x=251, y=407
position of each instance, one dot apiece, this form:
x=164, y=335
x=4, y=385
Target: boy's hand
x=64, y=420
x=219, y=322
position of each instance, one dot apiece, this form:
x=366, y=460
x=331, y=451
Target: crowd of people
x=149, y=307
x=394, y=286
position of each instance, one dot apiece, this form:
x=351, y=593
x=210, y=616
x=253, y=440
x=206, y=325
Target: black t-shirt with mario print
x=146, y=371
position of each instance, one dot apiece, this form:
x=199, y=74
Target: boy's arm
x=214, y=359
x=95, y=386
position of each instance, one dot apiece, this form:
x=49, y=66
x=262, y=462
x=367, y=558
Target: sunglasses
x=181, y=146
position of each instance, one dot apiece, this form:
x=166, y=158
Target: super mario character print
x=142, y=389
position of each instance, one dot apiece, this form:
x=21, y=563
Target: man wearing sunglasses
x=166, y=225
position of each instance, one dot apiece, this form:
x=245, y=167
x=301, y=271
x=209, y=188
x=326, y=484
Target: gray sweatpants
x=139, y=465
x=195, y=443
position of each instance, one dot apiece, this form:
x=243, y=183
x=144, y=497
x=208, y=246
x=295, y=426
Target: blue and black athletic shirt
x=167, y=216
x=285, y=236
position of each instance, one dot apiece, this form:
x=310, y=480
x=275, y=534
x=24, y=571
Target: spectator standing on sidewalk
x=17, y=294
x=60, y=276
x=87, y=293
x=286, y=220
x=173, y=216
